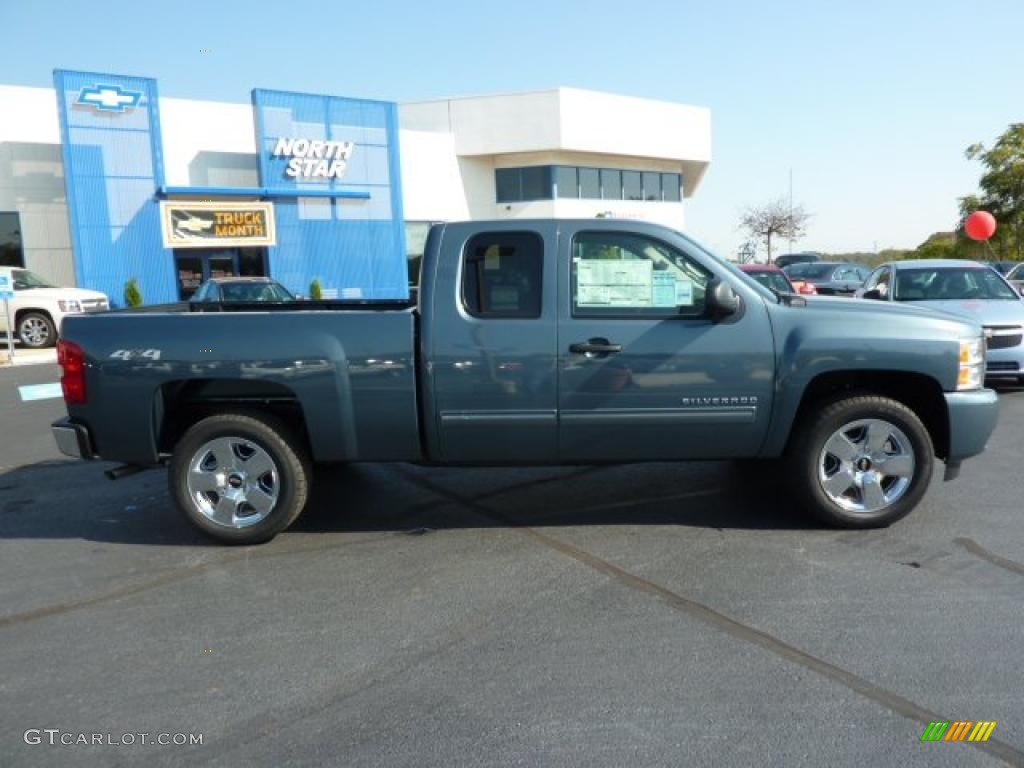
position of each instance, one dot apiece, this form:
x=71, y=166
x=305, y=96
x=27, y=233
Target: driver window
x=628, y=275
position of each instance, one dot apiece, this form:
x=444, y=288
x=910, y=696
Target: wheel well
x=180, y=404
x=920, y=393
x=32, y=310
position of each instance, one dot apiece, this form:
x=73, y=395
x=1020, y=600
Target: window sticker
x=492, y=258
x=614, y=283
x=663, y=293
x=684, y=292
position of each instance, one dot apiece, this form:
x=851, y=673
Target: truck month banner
x=189, y=224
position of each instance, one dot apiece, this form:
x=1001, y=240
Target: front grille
x=999, y=366
x=1003, y=336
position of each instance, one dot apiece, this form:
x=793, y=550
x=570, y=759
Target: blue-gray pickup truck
x=531, y=342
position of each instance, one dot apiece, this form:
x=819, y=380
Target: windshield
x=775, y=281
x=255, y=292
x=811, y=270
x=24, y=280
x=950, y=284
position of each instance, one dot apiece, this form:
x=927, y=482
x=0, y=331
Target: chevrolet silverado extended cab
x=531, y=342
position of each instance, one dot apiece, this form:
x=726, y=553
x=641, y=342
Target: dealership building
x=103, y=180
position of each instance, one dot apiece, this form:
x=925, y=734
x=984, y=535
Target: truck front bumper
x=73, y=439
x=972, y=419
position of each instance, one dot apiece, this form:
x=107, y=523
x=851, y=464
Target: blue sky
x=870, y=104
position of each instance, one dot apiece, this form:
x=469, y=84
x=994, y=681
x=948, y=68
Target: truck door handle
x=595, y=347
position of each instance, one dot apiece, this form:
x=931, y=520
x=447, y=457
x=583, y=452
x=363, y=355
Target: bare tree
x=775, y=219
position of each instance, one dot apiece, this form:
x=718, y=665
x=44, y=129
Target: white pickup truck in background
x=38, y=307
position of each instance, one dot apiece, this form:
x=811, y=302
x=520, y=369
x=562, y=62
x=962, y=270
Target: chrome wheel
x=34, y=331
x=233, y=482
x=866, y=466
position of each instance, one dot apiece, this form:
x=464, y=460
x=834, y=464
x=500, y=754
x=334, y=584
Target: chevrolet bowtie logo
x=109, y=98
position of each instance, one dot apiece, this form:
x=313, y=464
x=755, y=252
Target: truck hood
x=986, y=312
x=64, y=294
x=891, y=313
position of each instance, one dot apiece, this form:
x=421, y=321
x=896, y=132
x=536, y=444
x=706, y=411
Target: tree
x=132, y=294
x=316, y=291
x=1002, y=189
x=775, y=219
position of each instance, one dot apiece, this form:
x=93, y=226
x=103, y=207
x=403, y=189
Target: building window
x=611, y=184
x=566, y=181
x=545, y=182
x=501, y=275
x=11, y=252
x=537, y=182
x=632, y=185
x=590, y=183
x=520, y=185
x=652, y=185
x=506, y=183
x=671, y=184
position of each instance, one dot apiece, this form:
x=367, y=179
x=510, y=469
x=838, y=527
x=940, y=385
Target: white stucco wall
x=208, y=143
x=563, y=126
x=449, y=151
x=32, y=179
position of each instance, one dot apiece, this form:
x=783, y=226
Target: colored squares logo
x=958, y=730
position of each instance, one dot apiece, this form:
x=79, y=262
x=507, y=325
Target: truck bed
x=352, y=372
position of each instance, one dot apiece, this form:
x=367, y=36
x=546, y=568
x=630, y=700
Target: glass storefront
x=11, y=253
x=194, y=266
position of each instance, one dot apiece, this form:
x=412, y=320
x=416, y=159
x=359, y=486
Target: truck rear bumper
x=73, y=439
x=972, y=419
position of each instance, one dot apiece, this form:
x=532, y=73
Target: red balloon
x=980, y=225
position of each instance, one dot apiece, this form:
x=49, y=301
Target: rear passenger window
x=501, y=274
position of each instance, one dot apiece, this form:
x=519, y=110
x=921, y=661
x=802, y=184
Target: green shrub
x=132, y=294
x=316, y=291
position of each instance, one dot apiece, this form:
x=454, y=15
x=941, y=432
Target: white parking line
x=40, y=391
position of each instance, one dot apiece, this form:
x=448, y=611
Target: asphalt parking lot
x=635, y=615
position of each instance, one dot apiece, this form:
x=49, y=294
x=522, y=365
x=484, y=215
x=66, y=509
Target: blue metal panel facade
x=113, y=163
x=354, y=245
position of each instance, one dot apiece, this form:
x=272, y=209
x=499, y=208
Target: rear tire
x=240, y=478
x=861, y=461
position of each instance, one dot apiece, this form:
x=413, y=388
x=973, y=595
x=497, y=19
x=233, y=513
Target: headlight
x=972, y=364
x=69, y=306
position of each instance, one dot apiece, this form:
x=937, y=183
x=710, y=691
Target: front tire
x=861, y=461
x=36, y=330
x=241, y=479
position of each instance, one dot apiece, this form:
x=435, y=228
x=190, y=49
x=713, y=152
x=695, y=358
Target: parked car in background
x=1016, y=277
x=788, y=259
x=965, y=288
x=770, y=276
x=39, y=306
x=830, y=278
x=242, y=289
x=1002, y=267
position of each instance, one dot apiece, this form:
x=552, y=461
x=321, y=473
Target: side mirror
x=874, y=293
x=722, y=300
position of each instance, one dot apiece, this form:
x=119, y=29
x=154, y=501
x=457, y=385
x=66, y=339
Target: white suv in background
x=38, y=307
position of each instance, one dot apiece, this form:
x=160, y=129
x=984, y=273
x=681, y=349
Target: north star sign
x=314, y=159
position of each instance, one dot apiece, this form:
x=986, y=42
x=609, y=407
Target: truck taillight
x=71, y=359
